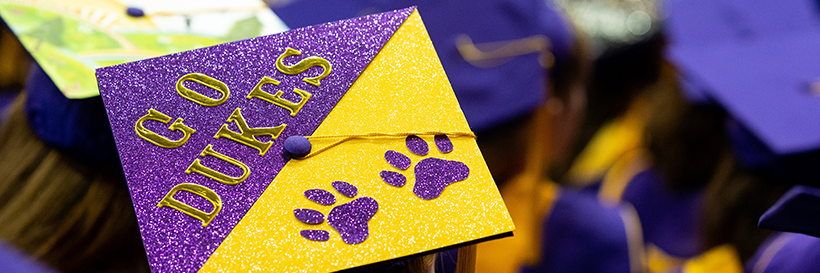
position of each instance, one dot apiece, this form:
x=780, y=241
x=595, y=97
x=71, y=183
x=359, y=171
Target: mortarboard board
x=757, y=59
x=393, y=169
x=69, y=39
x=695, y=24
x=496, y=64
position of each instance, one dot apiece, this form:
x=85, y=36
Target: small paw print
x=349, y=219
x=433, y=175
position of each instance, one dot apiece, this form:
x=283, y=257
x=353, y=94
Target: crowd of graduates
x=624, y=136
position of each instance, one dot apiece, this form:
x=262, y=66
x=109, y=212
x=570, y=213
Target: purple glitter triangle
x=176, y=242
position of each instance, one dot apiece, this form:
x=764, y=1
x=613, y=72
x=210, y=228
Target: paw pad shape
x=349, y=219
x=433, y=175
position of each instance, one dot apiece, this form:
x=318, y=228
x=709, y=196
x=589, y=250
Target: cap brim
x=795, y=211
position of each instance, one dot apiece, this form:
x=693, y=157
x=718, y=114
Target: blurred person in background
x=625, y=45
x=503, y=59
x=684, y=141
x=63, y=199
x=757, y=61
x=643, y=143
x=65, y=210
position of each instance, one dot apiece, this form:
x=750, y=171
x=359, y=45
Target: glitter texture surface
x=345, y=188
x=176, y=242
x=398, y=160
x=433, y=175
x=350, y=219
x=315, y=235
x=443, y=143
x=393, y=178
x=320, y=196
x=417, y=145
x=309, y=216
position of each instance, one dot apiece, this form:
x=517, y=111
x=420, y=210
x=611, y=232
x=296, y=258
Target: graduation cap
x=69, y=39
x=496, y=64
x=758, y=60
x=317, y=149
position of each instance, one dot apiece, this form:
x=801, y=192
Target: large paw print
x=433, y=175
x=349, y=219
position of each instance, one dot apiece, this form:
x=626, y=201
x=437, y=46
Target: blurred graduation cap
x=69, y=39
x=494, y=55
x=758, y=59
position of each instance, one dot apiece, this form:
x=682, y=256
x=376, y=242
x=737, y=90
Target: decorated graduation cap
x=758, y=60
x=317, y=149
x=69, y=39
x=496, y=65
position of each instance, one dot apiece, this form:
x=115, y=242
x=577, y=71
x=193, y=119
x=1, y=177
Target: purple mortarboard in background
x=503, y=78
x=698, y=23
x=758, y=59
x=695, y=24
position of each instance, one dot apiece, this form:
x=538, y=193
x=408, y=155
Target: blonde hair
x=75, y=216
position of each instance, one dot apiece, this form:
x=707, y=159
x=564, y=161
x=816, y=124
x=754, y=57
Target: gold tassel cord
x=344, y=138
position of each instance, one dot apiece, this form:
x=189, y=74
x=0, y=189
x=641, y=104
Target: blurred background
x=624, y=135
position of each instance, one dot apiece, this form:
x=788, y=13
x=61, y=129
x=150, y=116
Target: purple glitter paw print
x=433, y=175
x=349, y=219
